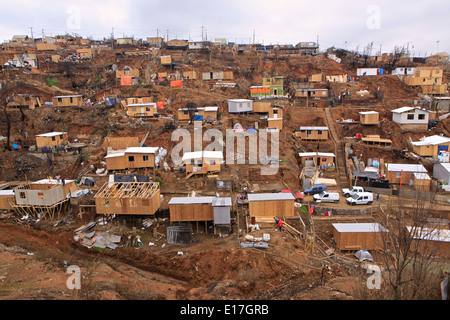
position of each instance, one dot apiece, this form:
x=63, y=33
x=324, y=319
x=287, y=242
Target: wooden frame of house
x=412, y=118
x=24, y=101
x=312, y=133
x=358, y=236
x=142, y=110
x=201, y=209
x=131, y=158
x=279, y=205
x=318, y=159
x=431, y=146
x=202, y=162
x=128, y=198
x=68, y=101
x=52, y=139
x=369, y=118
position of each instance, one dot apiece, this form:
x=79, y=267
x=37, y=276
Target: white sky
x=422, y=26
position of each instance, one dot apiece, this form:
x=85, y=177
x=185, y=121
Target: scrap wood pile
x=292, y=231
x=96, y=239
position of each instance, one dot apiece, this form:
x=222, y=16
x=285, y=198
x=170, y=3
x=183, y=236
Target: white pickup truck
x=327, y=197
x=350, y=192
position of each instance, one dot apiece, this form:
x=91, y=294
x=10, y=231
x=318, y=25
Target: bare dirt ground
x=34, y=264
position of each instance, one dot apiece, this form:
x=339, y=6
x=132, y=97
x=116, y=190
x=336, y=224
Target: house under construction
x=128, y=198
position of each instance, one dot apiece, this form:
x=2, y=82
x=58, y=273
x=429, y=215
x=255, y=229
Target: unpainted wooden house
x=312, y=133
x=369, y=118
x=271, y=205
x=317, y=159
x=142, y=110
x=68, y=101
x=358, y=236
x=131, y=158
x=26, y=101
x=202, y=162
x=431, y=146
x=216, y=210
x=52, y=139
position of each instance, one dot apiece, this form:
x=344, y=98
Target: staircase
x=339, y=149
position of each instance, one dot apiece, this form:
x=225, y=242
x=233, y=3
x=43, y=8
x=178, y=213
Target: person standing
x=280, y=224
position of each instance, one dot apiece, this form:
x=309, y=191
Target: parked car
x=315, y=189
x=350, y=192
x=360, y=198
x=327, y=197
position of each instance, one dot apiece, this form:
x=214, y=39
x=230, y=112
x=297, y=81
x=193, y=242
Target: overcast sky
x=422, y=26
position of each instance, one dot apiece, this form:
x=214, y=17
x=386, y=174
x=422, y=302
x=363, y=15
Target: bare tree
x=409, y=267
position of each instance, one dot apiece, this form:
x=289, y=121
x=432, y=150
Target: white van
x=360, y=198
x=327, y=197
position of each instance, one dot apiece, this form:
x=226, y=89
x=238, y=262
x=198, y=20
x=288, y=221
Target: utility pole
x=112, y=38
x=253, y=36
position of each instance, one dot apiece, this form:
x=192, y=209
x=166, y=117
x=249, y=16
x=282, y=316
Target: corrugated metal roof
x=316, y=154
x=51, y=134
x=270, y=196
x=216, y=202
x=397, y=167
x=202, y=155
x=358, y=227
x=6, y=192
x=141, y=150
x=433, y=140
x=314, y=128
x=221, y=202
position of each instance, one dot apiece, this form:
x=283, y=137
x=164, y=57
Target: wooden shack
x=312, y=133
x=27, y=101
x=131, y=158
x=369, y=118
x=431, y=146
x=358, y=236
x=52, y=139
x=142, y=110
x=402, y=174
x=271, y=205
x=276, y=112
x=318, y=159
x=431, y=240
x=184, y=114
x=202, y=162
x=128, y=198
x=68, y=101
x=194, y=209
